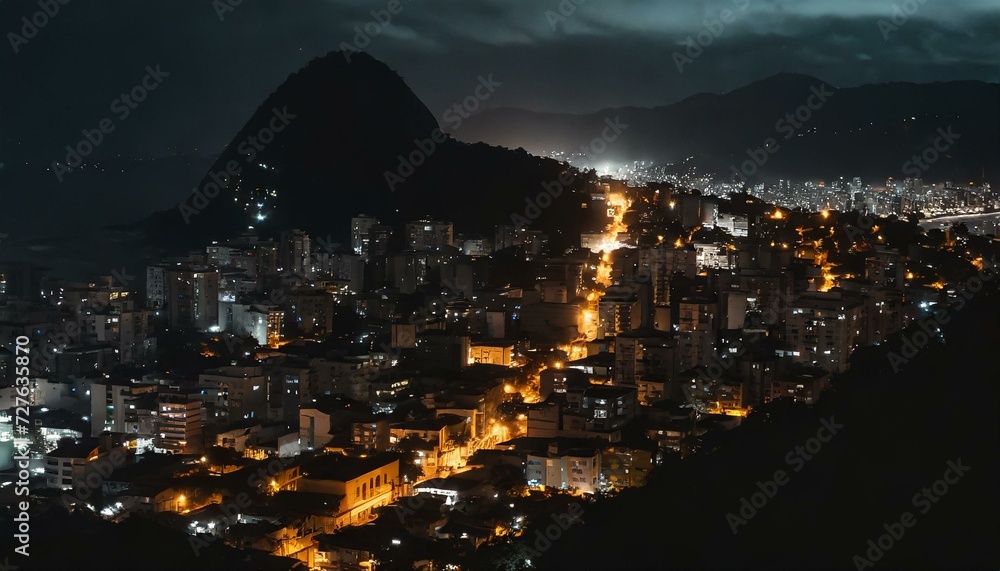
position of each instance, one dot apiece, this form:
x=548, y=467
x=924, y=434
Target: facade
x=192, y=297
x=735, y=224
x=263, y=322
x=804, y=385
x=361, y=226
x=294, y=254
x=645, y=355
x=711, y=256
x=438, y=431
x=66, y=466
x=491, y=353
x=584, y=412
x=885, y=269
x=823, y=329
x=697, y=323
x=314, y=428
x=429, y=235
x=378, y=240
x=365, y=483
x=108, y=407
x=372, y=436
x=619, y=310
x=574, y=469
x=180, y=427
x=242, y=392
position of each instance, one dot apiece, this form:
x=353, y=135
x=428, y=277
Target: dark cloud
x=603, y=54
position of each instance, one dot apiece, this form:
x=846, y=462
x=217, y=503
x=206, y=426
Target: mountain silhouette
x=869, y=131
x=346, y=135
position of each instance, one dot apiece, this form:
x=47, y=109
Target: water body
x=988, y=223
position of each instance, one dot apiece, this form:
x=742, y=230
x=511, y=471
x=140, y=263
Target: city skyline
x=499, y=286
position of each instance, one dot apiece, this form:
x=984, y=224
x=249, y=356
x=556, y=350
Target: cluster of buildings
x=282, y=394
x=891, y=197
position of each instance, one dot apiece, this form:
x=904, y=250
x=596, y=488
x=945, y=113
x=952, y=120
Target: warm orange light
x=778, y=215
x=825, y=213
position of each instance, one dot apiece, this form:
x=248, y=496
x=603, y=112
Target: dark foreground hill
x=899, y=433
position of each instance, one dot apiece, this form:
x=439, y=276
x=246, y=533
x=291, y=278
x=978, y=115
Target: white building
x=65, y=467
x=735, y=224
x=580, y=469
x=711, y=256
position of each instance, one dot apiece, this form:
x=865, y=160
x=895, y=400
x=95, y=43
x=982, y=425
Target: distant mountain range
x=344, y=136
x=870, y=131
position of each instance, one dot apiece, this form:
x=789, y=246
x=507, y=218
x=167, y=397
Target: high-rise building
x=180, y=424
x=475, y=246
x=240, y=256
x=697, y=321
x=884, y=269
x=429, y=235
x=242, y=392
x=267, y=258
x=136, y=343
x=378, y=240
x=108, y=407
x=823, y=328
x=66, y=466
x=20, y=280
x=192, y=297
x=361, y=226
x=646, y=355
x=293, y=254
x=156, y=287
x=619, y=309
x=264, y=322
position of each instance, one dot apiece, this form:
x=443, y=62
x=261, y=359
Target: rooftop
x=79, y=448
x=430, y=423
x=608, y=392
x=454, y=484
x=345, y=468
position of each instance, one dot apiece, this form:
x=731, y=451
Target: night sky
x=603, y=54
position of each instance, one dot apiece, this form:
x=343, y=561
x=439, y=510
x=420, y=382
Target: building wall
x=824, y=335
x=369, y=490
x=491, y=354
x=561, y=472
x=314, y=428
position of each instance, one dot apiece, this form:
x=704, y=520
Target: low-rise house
x=366, y=483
